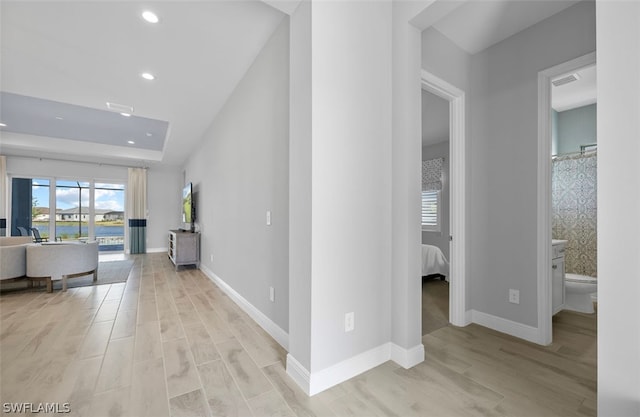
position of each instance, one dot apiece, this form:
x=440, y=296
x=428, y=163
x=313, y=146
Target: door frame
x=545, y=317
x=458, y=315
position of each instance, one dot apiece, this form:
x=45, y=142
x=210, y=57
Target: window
x=431, y=210
x=69, y=210
x=431, y=194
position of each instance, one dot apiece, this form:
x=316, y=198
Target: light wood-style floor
x=435, y=305
x=168, y=343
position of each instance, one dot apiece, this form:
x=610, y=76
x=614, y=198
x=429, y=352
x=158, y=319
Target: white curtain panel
x=137, y=193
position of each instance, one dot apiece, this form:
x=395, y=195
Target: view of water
x=110, y=238
x=72, y=231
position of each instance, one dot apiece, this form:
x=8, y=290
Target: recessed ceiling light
x=59, y=118
x=150, y=17
x=149, y=134
x=3, y=125
x=126, y=114
x=148, y=76
x=130, y=142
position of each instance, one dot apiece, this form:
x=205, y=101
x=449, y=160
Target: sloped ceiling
x=88, y=53
x=476, y=25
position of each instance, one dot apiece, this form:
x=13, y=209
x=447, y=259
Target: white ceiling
x=85, y=53
x=577, y=93
x=90, y=52
x=478, y=24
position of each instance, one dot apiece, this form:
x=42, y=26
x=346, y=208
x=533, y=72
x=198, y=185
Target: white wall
x=364, y=69
x=618, y=207
x=435, y=119
x=164, y=198
x=503, y=158
x=351, y=203
x=406, y=321
x=443, y=58
x=239, y=171
x=300, y=191
x=43, y=167
x=163, y=193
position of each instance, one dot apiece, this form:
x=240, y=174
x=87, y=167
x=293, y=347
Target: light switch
x=268, y=217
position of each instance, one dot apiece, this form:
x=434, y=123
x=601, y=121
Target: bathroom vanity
x=557, y=275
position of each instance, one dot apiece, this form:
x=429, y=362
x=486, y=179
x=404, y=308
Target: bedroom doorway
x=454, y=239
x=435, y=212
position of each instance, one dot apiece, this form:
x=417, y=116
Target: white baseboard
x=157, y=250
x=347, y=369
x=468, y=317
x=298, y=373
x=265, y=322
x=503, y=325
x=407, y=358
x=316, y=382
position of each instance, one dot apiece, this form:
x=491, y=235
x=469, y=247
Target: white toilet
x=578, y=290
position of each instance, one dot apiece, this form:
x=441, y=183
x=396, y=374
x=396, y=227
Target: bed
x=434, y=262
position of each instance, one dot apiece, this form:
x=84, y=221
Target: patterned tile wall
x=574, y=199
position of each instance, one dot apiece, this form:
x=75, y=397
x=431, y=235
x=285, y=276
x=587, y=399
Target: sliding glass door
x=69, y=210
x=73, y=211
x=109, y=215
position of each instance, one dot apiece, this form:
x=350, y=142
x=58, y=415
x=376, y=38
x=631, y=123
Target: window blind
x=430, y=206
x=431, y=186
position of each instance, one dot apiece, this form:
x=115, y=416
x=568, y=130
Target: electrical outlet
x=349, y=322
x=514, y=296
x=272, y=294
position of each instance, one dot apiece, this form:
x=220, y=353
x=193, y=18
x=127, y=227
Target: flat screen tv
x=188, y=206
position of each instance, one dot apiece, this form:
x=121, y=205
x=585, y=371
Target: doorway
x=544, y=210
x=457, y=180
x=435, y=212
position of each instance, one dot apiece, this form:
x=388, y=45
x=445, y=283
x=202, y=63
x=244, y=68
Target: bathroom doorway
x=567, y=149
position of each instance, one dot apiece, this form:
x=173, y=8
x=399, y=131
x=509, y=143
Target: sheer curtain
x=137, y=210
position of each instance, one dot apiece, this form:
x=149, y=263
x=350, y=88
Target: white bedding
x=433, y=261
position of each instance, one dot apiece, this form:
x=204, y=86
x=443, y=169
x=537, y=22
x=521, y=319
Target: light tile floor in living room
x=171, y=343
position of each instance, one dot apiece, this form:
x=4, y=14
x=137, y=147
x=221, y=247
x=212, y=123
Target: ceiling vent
x=566, y=79
x=120, y=108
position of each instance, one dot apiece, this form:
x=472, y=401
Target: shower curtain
x=575, y=210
